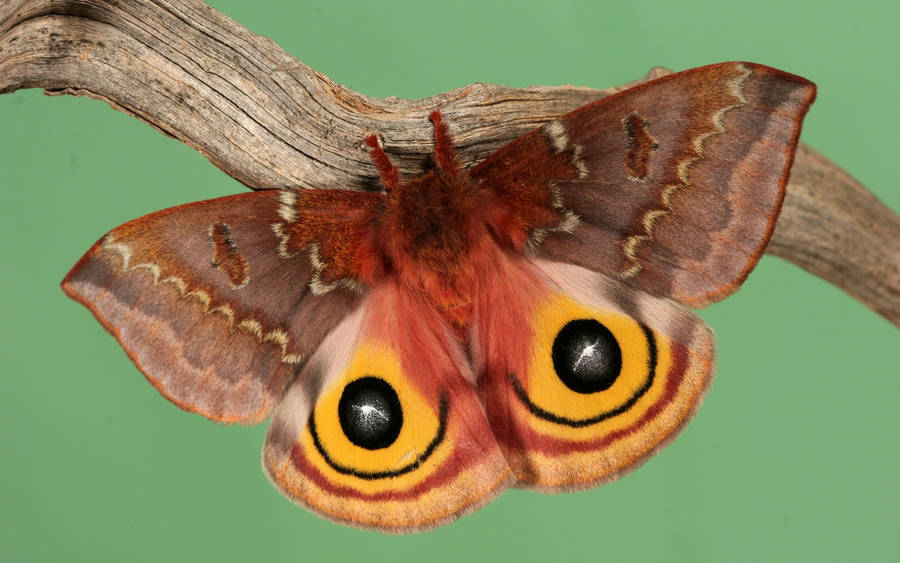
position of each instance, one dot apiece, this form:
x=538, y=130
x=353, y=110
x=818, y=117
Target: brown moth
x=520, y=323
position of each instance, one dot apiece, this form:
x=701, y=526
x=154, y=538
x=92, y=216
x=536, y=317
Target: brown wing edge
x=279, y=357
x=727, y=290
x=702, y=300
x=69, y=288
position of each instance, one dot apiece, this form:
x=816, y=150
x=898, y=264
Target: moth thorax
x=436, y=215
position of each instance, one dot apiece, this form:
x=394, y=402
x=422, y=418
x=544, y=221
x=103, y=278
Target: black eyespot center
x=370, y=413
x=586, y=356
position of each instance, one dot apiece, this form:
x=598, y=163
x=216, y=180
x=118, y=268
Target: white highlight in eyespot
x=369, y=412
x=587, y=353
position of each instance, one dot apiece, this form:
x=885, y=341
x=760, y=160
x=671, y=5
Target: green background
x=793, y=457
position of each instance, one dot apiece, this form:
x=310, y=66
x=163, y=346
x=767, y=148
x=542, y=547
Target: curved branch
x=833, y=227
x=252, y=109
x=270, y=121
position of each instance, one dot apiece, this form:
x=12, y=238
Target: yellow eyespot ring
x=422, y=430
x=371, y=475
x=545, y=394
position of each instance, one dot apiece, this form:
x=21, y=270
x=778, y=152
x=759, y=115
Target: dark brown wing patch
x=641, y=146
x=226, y=256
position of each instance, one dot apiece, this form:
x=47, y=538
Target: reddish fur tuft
x=444, y=152
x=386, y=171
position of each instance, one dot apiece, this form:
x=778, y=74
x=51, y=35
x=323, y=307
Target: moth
x=524, y=322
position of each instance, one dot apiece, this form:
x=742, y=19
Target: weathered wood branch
x=270, y=121
x=835, y=228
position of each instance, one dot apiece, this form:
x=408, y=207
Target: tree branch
x=270, y=121
x=833, y=227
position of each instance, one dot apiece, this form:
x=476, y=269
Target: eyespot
x=370, y=414
x=586, y=356
x=655, y=362
x=372, y=423
x=587, y=365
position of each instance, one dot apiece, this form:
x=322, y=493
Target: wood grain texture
x=835, y=228
x=270, y=121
